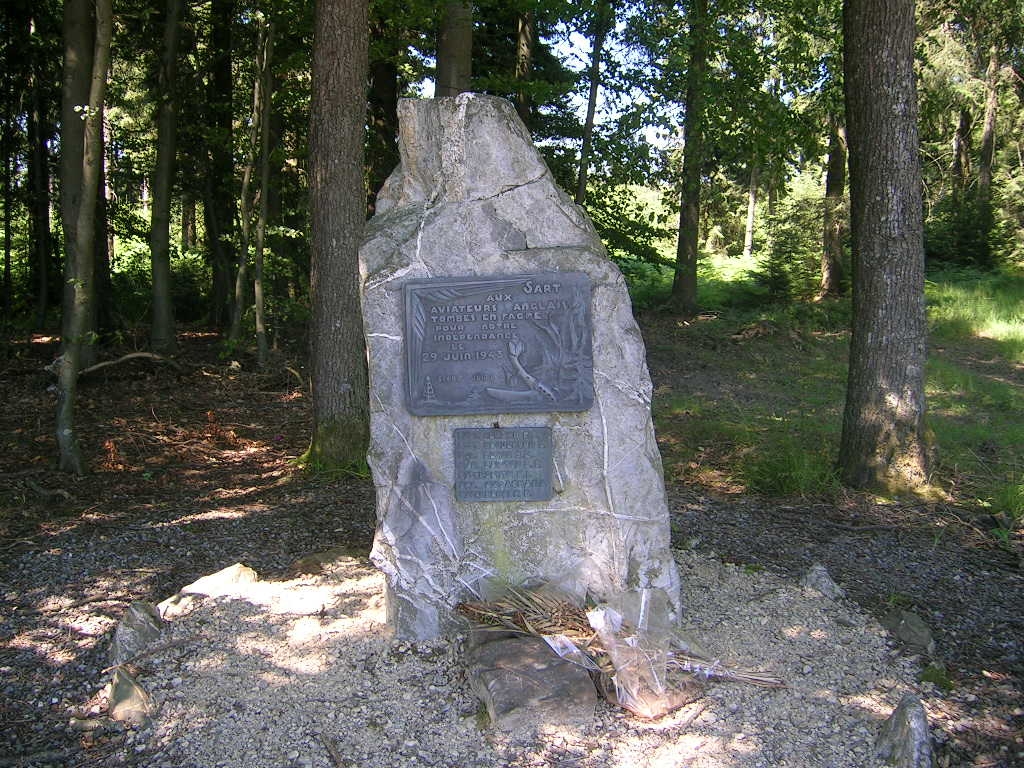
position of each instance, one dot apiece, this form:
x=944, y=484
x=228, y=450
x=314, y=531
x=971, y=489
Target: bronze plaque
x=505, y=344
x=506, y=464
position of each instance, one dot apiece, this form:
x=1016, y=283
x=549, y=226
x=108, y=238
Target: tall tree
x=162, y=335
x=265, y=56
x=338, y=210
x=884, y=443
x=526, y=33
x=79, y=27
x=454, y=49
x=600, y=25
x=78, y=298
x=684, y=283
x=218, y=173
x=833, y=213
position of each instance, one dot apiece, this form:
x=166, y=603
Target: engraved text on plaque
x=507, y=464
x=505, y=344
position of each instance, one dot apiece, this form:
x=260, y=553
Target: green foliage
x=790, y=265
x=958, y=231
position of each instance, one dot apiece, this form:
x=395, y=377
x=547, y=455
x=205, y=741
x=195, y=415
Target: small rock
x=818, y=579
x=910, y=629
x=904, y=740
x=129, y=701
x=140, y=626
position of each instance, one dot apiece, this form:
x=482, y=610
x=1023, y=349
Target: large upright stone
x=473, y=198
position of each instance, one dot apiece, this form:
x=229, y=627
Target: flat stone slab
x=524, y=684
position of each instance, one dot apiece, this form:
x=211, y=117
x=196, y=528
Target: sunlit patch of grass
x=964, y=305
x=978, y=423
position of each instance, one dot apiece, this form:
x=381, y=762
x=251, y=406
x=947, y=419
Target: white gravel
x=282, y=673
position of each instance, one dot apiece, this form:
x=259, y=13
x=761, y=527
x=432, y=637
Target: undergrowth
x=754, y=401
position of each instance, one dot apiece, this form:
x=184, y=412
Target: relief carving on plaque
x=507, y=344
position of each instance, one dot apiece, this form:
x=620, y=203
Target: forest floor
x=192, y=468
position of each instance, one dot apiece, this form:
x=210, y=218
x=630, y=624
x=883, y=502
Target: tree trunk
x=600, y=26
x=40, y=240
x=267, y=81
x=454, y=49
x=79, y=38
x=259, y=95
x=988, y=131
x=960, y=168
x=525, y=36
x=748, y=230
x=188, y=222
x=382, y=144
x=833, y=215
x=219, y=197
x=884, y=443
x=337, y=207
x=7, y=150
x=161, y=333
x=684, y=283
x=80, y=255
x=103, y=292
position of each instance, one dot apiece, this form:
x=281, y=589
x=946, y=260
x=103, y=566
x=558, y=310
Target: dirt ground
x=192, y=468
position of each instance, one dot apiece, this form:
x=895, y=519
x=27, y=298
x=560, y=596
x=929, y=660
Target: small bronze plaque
x=506, y=464
x=507, y=344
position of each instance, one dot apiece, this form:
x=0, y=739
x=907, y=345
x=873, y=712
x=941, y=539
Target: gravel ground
x=282, y=673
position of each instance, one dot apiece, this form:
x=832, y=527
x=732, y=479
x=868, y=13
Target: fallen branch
x=129, y=356
x=47, y=493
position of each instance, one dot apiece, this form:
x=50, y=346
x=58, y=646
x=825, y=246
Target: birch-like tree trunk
x=752, y=188
x=267, y=84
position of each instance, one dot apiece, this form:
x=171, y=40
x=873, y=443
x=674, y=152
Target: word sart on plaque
x=507, y=344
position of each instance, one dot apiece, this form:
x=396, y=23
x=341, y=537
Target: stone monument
x=511, y=435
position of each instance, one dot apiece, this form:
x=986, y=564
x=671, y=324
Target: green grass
x=763, y=413
x=968, y=305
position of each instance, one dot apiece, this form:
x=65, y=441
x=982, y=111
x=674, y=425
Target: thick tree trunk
x=748, y=229
x=684, y=283
x=600, y=26
x=525, y=34
x=219, y=197
x=884, y=443
x=79, y=298
x=454, y=49
x=267, y=83
x=833, y=214
x=337, y=207
x=161, y=333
